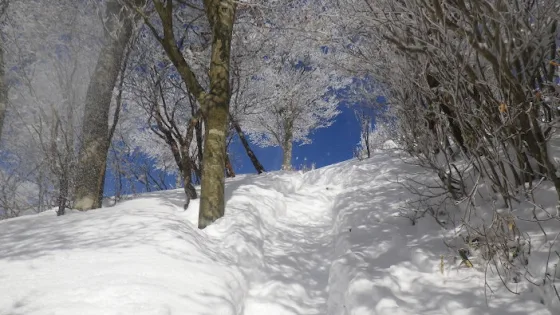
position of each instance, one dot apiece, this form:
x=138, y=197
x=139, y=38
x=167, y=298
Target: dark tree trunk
x=229, y=168
x=63, y=194
x=455, y=128
x=366, y=139
x=200, y=145
x=258, y=166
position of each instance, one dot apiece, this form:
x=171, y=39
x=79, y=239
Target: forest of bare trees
x=109, y=86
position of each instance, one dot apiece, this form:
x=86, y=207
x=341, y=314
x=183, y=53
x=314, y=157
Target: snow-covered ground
x=330, y=241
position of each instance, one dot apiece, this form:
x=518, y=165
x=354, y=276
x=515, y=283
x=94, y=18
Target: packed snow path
x=297, y=257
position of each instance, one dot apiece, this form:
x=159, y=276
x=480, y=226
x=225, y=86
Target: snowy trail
x=297, y=256
x=328, y=242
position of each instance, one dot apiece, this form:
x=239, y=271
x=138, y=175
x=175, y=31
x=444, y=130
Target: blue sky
x=330, y=145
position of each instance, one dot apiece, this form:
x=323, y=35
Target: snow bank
x=253, y=205
x=385, y=265
x=144, y=256
x=137, y=258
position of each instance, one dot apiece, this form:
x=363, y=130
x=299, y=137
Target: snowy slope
x=137, y=258
x=385, y=265
x=329, y=241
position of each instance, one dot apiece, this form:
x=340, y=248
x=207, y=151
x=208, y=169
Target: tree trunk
x=366, y=139
x=221, y=14
x=95, y=130
x=197, y=162
x=3, y=88
x=42, y=190
x=287, y=145
x=287, y=155
x=258, y=166
x=456, y=130
x=212, y=204
x=229, y=168
x=199, y=146
x=186, y=171
x=63, y=193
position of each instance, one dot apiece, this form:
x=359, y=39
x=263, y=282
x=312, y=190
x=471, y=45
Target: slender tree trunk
x=190, y=192
x=221, y=14
x=229, y=168
x=42, y=190
x=184, y=163
x=119, y=173
x=186, y=171
x=197, y=172
x=366, y=139
x=95, y=132
x=3, y=88
x=63, y=193
x=456, y=130
x=197, y=162
x=199, y=145
x=258, y=166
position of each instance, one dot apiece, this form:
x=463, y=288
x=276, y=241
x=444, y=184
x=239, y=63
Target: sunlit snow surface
x=325, y=242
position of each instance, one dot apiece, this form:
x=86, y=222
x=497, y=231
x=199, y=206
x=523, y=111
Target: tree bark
x=200, y=149
x=212, y=203
x=197, y=164
x=287, y=155
x=258, y=166
x=3, y=88
x=186, y=170
x=287, y=144
x=221, y=14
x=95, y=130
x=63, y=194
x=229, y=168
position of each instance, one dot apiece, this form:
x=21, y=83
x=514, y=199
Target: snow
x=137, y=258
x=329, y=241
